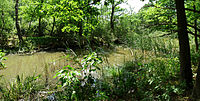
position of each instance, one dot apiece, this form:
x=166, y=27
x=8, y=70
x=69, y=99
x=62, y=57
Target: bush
x=77, y=86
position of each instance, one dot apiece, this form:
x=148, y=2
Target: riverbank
x=18, y=64
x=123, y=72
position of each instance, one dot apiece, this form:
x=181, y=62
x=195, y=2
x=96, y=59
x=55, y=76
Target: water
x=35, y=63
x=29, y=64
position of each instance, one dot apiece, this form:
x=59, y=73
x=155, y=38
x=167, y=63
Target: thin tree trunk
x=40, y=20
x=39, y=27
x=17, y=23
x=80, y=25
x=54, y=19
x=112, y=17
x=2, y=18
x=2, y=28
x=196, y=37
x=196, y=89
x=185, y=59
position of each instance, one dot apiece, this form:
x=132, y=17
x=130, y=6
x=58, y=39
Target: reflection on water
x=35, y=63
x=118, y=56
x=29, y=64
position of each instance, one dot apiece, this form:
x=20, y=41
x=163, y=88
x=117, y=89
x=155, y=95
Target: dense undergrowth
x=156, y=80
x=153, y=74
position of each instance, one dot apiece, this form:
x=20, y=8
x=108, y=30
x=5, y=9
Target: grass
x=151, y=74
x=155, y=80
x=22, y=88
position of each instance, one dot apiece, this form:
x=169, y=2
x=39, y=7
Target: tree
x=184, y=47
x=196, y=38
x=193, y=19
x=114, y=4
x=196, y=89
x=160, y=15
x=17, y=23
x=6, y=20
x=40, y=18
x=34, y=15
x=185, y=59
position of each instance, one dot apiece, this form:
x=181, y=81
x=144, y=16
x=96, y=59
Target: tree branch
x=193, y=27
x=160, y=24
x=167, y=34
x=160, y=7
x=195, y=11
x=188, y=9
x=193, y=34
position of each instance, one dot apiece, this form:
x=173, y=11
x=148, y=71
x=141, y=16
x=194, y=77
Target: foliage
x=161, y=46
x=77, y=86
x=2, y=65
x=67, y=76
x=91, y=61
x=6, y=22
x=157, y=80
x=22, y=88
x=160, y=15
x=53, y=24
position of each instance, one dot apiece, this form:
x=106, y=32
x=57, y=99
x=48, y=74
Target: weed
x=156, y=80
x=77, y=86
x=22, y=89
x=2, y=65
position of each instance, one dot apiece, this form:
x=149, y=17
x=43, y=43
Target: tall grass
x=156, y=80
x=22, y=89
x=159, y=45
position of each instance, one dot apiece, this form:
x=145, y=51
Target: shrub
x=77, y=86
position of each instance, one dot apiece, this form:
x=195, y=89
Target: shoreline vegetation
x=94, y=50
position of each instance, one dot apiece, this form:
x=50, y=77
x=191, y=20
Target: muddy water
x=29, y=64
x=36, y=63
x=118, y=56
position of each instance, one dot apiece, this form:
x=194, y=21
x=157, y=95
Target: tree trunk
x=17, y=23
x=196, y=89
x=196, y=37
x=80, y=32
x=184, y=47
x=112, y=17
x=40, y=20
x=39, y=27
x=54, y=19
x=3, y=22
x=81, y=29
